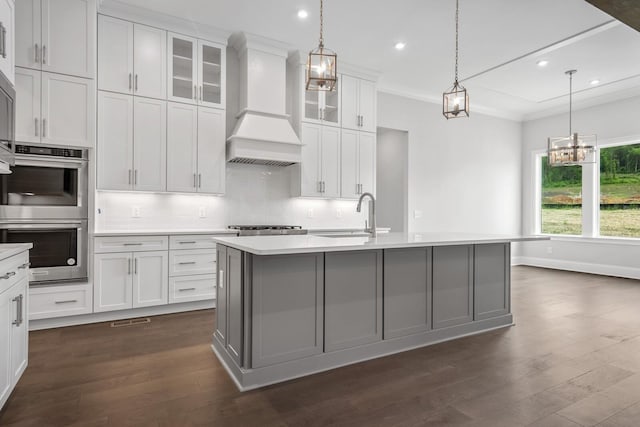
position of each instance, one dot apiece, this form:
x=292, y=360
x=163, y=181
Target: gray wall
x=392, y=178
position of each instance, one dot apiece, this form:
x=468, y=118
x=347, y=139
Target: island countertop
x=297, y=244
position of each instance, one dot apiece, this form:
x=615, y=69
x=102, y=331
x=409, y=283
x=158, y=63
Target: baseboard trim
x=83, y=319
x=581, y=267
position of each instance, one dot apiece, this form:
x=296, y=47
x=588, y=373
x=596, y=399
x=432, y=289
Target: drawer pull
x=9, y=274
x=186, y=289
x=23, y=266
x=69, y=301
x=187, y=263
x=133, y=244
x=188, y=243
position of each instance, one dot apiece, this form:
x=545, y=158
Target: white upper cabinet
x=195, y=149
x=54, y=108
x=56, y=36
x=115, y=55
x=132, y=58
x=115, y=141
x=319, y=170
x=357, y=163
x=132, y=143
x=149, y=144
x=67, y=110
x=211, y=151
x=182, y=147
x=358, y=104
x=196, y=71
x=7, y=44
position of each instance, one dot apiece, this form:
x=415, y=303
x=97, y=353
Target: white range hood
x=263, y=133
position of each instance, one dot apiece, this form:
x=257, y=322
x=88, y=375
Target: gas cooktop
x=267, y=230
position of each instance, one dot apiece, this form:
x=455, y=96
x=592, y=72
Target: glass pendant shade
x=322, y=70
x=572, y=150
x=455, y=102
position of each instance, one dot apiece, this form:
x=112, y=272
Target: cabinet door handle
x=135, y=266
x=23, y=266
x=8, y=275
x=129, y=267
x=195, y=92
x=37, y=57
x=186, y=289
x=136, y=84
x=199, y=180
x=130, y=80
x=135, y=177
x=3, y=43
x=36, y=122
x=129, y=176
x=68, y=301
x=19, y=311
x=44, y=128
x=187, y=263
x=44, y=54
x=200, y=93
x=221, y=279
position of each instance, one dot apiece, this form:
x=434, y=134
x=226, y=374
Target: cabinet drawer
x=194, y=261
x=130, y=244
x=192, y=288
x=191, y=242
x=57, y=301
x=13, y=269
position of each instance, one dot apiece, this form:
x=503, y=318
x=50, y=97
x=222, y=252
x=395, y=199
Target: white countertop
x=296, y=244
x=8, y=250
x=161, y=232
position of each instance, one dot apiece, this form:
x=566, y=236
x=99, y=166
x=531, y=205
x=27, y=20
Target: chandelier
x=455, y=101
x=321, y=73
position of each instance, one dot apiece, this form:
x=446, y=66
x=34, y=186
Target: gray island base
x=290, y=306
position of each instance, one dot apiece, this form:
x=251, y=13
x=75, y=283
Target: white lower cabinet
x=130, y=280
x=192, y=271
x=46, y=302
x=14, y=321
x=192, y=288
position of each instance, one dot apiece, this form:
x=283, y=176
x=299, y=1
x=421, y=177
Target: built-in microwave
x=59, y=248
x=46, y=183
x=7, y=123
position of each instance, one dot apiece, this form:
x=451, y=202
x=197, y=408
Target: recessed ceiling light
x=542, y=63
x=400, y=45
x=303, y=14
x=595, y=82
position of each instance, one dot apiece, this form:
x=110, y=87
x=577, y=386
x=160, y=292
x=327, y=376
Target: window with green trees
x=620, y=191
x=561, y=210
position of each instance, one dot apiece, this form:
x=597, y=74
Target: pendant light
x=455, y=101
x=572, y=149
x=322, y=73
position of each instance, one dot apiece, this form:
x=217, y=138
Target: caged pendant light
x=455, y=101
x=573, y=149
x=322, y=72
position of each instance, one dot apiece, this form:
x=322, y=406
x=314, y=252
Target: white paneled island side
x=290, y=306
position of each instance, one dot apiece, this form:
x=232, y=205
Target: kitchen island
x=289, y=306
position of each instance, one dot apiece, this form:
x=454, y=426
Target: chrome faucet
x=371, y=227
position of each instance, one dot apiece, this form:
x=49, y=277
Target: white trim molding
x=580, y=267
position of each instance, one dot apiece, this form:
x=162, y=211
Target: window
x=620, y=191
x=561, y=197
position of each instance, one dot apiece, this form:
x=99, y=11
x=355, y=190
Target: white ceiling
x=500, y=42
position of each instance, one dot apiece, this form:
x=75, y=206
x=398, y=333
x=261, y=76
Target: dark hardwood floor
x=573, y=359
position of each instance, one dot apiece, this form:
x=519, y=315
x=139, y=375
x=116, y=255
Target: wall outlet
x=309, y=213
x=135, y=212
x=417, y=214
x=549, y=249
x=202, y=212
x=338, y=213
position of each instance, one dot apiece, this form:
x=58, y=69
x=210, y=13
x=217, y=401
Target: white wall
x=611, y=121
x=392, y=159
x=255, y=195
x=464, y=174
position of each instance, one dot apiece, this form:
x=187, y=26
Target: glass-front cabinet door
x=322, y=107
x=183, y=72
x=210, y=74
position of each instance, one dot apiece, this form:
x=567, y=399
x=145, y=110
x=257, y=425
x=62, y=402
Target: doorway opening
x=392, y=179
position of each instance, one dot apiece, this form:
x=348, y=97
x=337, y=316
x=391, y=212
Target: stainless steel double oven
x=44, y=201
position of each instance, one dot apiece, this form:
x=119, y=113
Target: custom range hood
x=262, y=134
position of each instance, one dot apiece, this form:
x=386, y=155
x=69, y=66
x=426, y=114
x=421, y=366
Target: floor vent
x=130, y=322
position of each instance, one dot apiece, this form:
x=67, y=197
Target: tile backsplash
x=254, y=195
